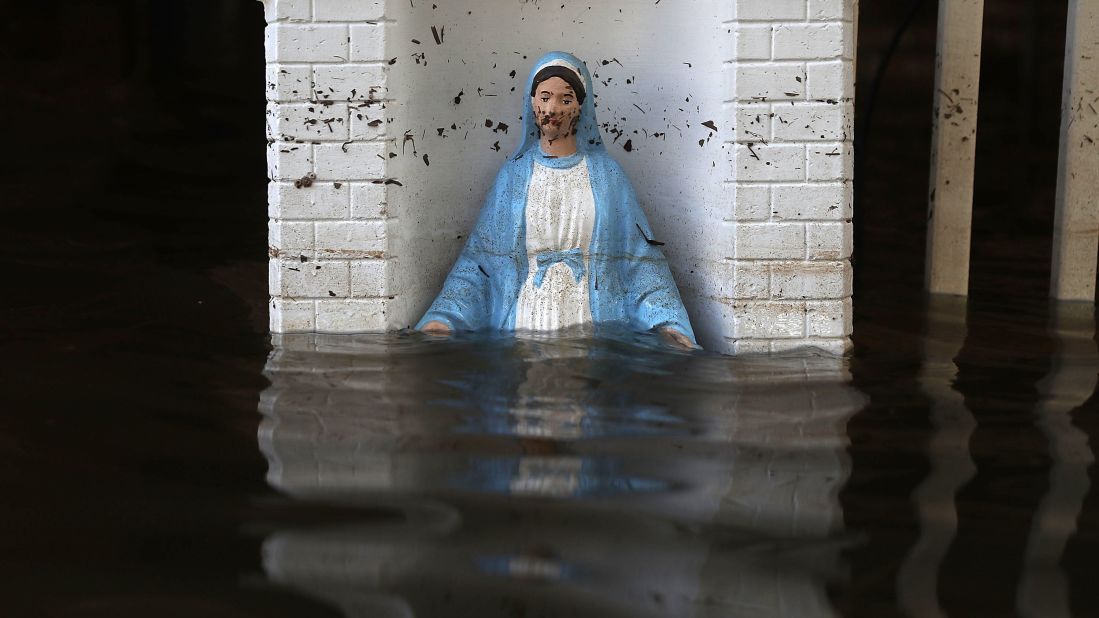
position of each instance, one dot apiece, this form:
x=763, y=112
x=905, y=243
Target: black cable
x=863, y=132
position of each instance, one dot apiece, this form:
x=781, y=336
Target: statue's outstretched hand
x=677, y=338
x=437, y=328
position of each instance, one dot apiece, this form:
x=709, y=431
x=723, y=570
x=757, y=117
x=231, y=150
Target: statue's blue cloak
x=628, y=277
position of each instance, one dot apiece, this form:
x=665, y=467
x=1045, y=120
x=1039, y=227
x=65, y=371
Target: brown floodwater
x=164, y=456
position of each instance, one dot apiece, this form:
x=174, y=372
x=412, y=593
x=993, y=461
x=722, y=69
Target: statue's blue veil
x=588, y=138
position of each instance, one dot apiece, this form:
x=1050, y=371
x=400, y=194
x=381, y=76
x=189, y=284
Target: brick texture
x=791, y=167
x=326, y=93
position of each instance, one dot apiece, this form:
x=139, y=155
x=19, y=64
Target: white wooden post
x=1076, y=227
x=950, y=204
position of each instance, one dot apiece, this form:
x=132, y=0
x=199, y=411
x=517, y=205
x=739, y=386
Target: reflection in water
x=557, y=477
x=951, y=464
x=1071, y=381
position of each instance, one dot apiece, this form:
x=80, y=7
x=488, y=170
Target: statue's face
x=556, y=109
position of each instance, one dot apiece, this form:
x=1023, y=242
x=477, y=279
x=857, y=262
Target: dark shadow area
x=134, y=323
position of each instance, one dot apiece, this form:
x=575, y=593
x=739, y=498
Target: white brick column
x=792, y=81
x=326, y=130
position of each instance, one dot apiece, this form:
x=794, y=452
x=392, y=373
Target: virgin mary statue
x=561, y=241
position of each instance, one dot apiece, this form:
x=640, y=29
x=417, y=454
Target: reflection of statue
x=561, y=241
x=501, y=476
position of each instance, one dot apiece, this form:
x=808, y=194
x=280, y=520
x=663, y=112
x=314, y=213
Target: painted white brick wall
x=326, y=129
x=792, y=169
x=781, y=221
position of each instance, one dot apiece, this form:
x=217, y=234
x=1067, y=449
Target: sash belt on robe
x=573, y=258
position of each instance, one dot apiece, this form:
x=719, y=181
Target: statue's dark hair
x=565, y=73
